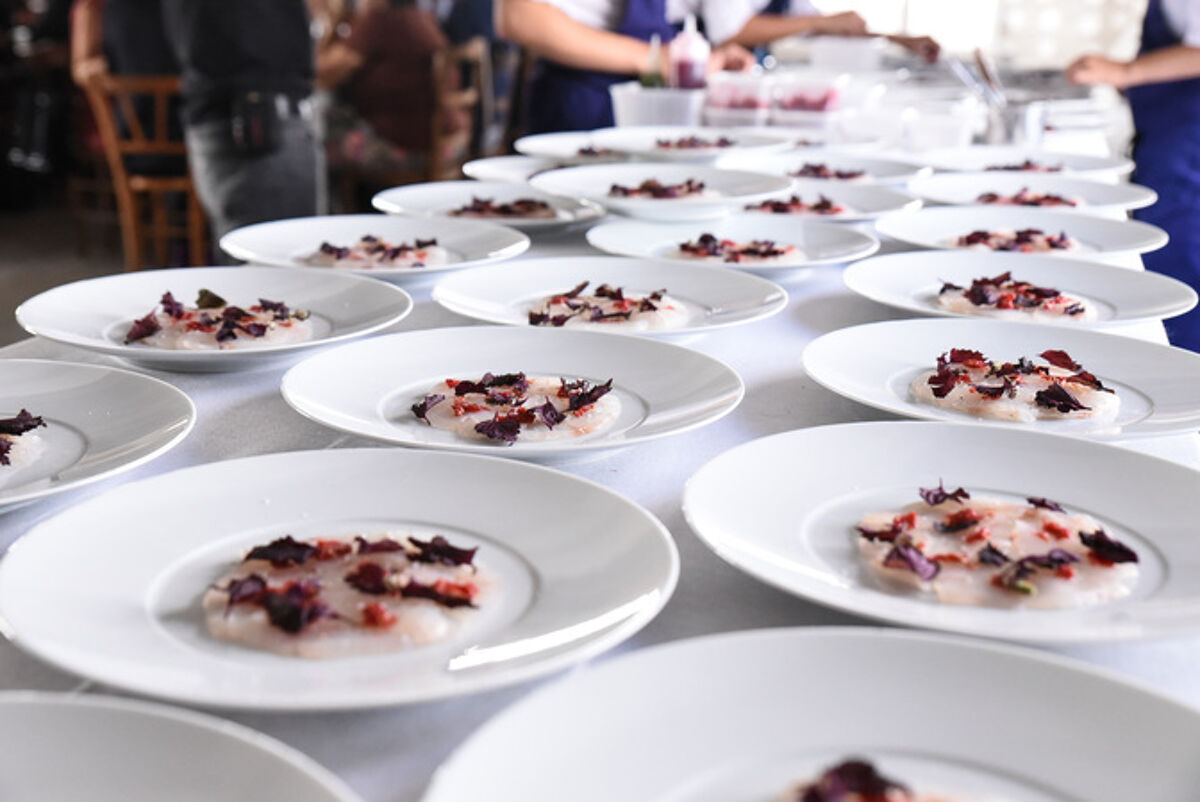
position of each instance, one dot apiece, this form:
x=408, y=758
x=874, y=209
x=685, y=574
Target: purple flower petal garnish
x=422, y=407
x=383, y=545
x=549, y=415
x=538, y=318
x=142, y=328
x=280, y=309
x=886, y=535
x=1106, y=548
x=439, y=550
x=171, y=306
x=282, y=552
x=938, y=495
x=990, y=555
x=246, y=589
x=254, y=329
x=1060, y=359
x=854, y=776
x=1045, y=504
x=296, y=607
x=368, y=577
x=910, y=557
x=207, y=299
x=506, y=430
x=1051, y=559
x=5, y=447
x=1056, y=397
x=580, y=393
x=612, y=293
x=22, y=422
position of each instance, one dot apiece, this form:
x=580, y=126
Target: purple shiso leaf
x=1051, y=559
x=947, y=287
x=416, y=590
x=283, y=552
x=995, y=391
x=1088, y=380
x=549, y=415
x=886, y=535
x=612, y=293
x=383, y=545
x=233, y=314
x=254, y=329
x=598, y=315
x=580, y=394
x=990, y=555
x=207, y=299
x=1075, y=309
x=1056, y=397
x=1045, y=504
x=22, y=422
x=910, y=557
x=981, y=294
x=538, y=318
x=228, y=331
x=854, y=776
x=1060, y=359
x=559, y=320
x=938, y=495
x=507, y=430
x=1106, y=548
x=578, y=288
x=295, y=608
x=279, y=308
x=142, y=328
x=171, y=306
x=368, y=577
x=422, y=407
x=5, y=447
x=439, y=550
x=246, y=589
x=647, y=306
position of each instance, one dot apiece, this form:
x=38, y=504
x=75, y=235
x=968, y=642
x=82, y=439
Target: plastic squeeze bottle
x=688, y=57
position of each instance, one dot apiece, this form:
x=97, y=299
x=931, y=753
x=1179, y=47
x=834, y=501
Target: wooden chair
x=110, y=95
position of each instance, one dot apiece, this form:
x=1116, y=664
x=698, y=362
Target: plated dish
x=1155, y=389
x=138, y=756
x=705, y=298
x=509, y=169
x=566, y=147
x=832, y=165
x=379, y=388
x=1022, y=229
x=836, y=201
x=751, y=241
x=563, y=588
x=743, y=744
x=1065, y=192
x=915, y=282
x=1018, y=544
x=662, y=190
x=497, y=201
x=375, y=245
x=686, y=143
x=212, y=318
x=81, y=424
x=1017, y=159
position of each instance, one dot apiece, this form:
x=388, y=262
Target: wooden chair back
x=114, y=100
x=473, y=93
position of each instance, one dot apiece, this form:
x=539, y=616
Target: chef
x=779, y=18
x=1163, y=87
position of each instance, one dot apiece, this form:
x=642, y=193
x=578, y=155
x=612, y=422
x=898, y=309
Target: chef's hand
x=1094, y=69
x=846, y=23
x=730, y=57
x=923, y=46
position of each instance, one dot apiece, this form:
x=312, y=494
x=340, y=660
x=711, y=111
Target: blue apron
x=566, y=99
x=1167, y=152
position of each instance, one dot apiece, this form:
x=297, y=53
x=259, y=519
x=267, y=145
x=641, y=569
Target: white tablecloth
x=389, y=754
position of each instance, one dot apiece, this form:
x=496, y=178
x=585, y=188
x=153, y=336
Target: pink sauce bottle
x=688, y=57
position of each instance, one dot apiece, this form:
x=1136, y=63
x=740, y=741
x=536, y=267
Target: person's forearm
x=766, y=28
x=1168, y=64
x=548, y=32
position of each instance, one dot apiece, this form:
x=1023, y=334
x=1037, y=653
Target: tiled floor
x=37, y=252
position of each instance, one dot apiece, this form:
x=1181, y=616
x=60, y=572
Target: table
x=390, y=754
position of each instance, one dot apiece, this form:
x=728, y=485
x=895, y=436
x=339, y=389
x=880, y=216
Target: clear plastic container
x=634, y=104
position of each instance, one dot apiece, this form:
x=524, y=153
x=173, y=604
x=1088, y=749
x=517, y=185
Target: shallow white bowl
x=122, y=750
x=510, y=169
x=817, y=243
x=1094, y=197
x=563, y=147
x=941, y=227
x=739, y=717
x=1159, y=386
x=569, y=586
x=911, y=281
x=786, y=163
x=100, y=421
x=862, y=201
x=716, y=297
x=642, y=141
x=975, y=158
x=793, y=526
x=732, y=189
x=287, y=243
x=439, y=198
x=96, y=313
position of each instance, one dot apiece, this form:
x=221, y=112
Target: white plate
x=368, y=388
x=739, y=717
x=100, y=421
x=911, y=281
x=862, y=201
x=96, y=313
x=941, y=227
x=963, y=189
x=1159, y=386
x=731, y=189
x=793, y=526
x=785, y=163
x=286, y=243
x=510, y=169
x=816, y=243
x=574, y=585
x=642, y=141
x=974, y=158
x=59, y=748
x=564, y=147
x=439, y=198
x=714, y=296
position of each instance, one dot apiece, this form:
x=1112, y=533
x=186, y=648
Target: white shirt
x=722, y=18
x=1183, y=16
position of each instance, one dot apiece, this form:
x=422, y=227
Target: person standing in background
x=247, y=70
x=1163, y=87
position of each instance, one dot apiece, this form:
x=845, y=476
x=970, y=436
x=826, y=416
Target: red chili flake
x=376, y=616
x=1057, y=531
x=982, y=533
x=332, y=549
x=948, y=558
x=1065, y=572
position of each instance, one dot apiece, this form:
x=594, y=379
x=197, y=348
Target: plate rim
x=580, y=210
